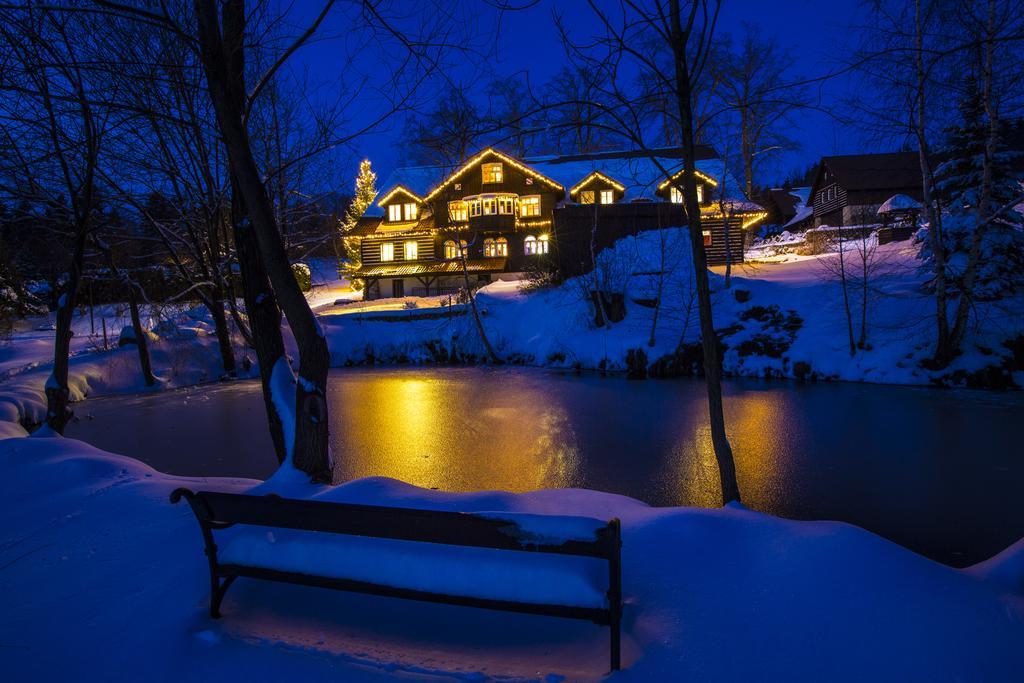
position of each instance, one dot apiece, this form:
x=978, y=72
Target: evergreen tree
x=366, y=192
x=976, y=210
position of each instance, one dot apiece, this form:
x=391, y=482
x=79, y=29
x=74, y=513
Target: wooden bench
x=417, y=554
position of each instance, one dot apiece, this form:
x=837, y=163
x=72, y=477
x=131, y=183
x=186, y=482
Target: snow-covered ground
x=102, y=579
x=780, y=319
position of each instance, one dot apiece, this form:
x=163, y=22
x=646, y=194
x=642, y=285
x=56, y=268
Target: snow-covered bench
x=551, y=565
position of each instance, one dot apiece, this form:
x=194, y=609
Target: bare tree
x=687, y=31
x=52, y=117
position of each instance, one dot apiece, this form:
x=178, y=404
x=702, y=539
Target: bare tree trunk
x=846, y=294
x=491, y=354
x=220, y=326
x=58, y=395
x=141, y=339
x=981, y=211
x=709, y=339
x=264, y=318
x=944, y=351
x=222, y=57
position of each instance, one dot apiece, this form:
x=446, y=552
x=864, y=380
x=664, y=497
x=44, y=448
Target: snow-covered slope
x=103, y=579
x=777, y=319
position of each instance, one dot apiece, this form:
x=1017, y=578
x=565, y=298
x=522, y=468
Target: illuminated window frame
x=607, y=196
x=474, y=208
x=394, y=213
x=412, y=250
x=492, y=172
x=387, y=251
x=489, y=206
x=458, y=211
x=506, y=205
x=542, y=244
x=586, y=197
x=410, y=210
x=529, y=206
x=675, y=196
x=452, y=250
x=708, y=239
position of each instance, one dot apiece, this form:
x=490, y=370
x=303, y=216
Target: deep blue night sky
x=818, y=34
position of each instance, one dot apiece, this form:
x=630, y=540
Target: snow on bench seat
x=525, y=577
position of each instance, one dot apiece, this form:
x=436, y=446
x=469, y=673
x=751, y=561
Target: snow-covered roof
x=898, y=202
x=640, y=174
x=802, y=213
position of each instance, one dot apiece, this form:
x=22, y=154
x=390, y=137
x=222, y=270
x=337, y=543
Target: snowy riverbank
x=102, y=574
x=781, y=319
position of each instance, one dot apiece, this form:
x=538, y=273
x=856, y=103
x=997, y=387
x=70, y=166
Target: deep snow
x=103, y=579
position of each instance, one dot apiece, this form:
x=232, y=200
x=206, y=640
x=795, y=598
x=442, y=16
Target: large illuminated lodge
x=508, y=215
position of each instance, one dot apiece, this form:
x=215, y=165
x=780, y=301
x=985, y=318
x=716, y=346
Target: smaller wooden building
x=848, y=190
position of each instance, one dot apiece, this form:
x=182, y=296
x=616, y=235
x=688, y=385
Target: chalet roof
x=891, y=170
x=635, y=169
x=482, y=265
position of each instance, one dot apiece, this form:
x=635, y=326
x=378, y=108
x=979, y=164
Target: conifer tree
x=978, y=183
x=366, y=192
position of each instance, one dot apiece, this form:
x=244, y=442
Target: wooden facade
x=506, y=216
x=848, y=190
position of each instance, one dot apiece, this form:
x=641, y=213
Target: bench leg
x=616, y=637
x=217, y=595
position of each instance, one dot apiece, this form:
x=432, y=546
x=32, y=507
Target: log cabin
x=498, y=217
x=848, y=190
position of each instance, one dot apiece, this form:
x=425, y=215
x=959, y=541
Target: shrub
x=303, y=276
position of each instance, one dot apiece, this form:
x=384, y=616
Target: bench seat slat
x=430, y=567
x=597, y=616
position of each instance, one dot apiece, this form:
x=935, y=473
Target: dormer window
x=607, y=197
x=492, y=173
x=675, y=195
x=411, y=210
x=586, y=197
x=394, y=213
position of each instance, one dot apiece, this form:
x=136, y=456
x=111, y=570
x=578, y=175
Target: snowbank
x=92, y=548
x=184, y=352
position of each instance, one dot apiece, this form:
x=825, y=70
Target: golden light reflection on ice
x=452, y=435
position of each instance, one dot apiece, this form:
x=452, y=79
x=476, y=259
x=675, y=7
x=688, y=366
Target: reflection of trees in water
x=758, y=422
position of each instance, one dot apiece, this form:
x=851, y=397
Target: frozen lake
x=941, y=472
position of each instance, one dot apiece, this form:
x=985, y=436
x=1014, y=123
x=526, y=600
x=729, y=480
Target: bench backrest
x=221, y=510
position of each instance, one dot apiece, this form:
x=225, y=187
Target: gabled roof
x=480, y=158
x=597, y=175
x=891, y=170
x=637, y=171
x=396, y=190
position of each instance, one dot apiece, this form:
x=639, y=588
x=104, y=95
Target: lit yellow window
x=489, y=205
x=707, y=237
x=492, y=173
x=587, y=197
x=452, y=251
x=474, y=207
x=607, y=197
x=410, y=212
x=387, y=251
x=412, y=250
x=458, y=211
x=676, y=195
x=494, y=248
x=395, y=213
x=530, y=245
x=529, y=206
x=506, y=205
